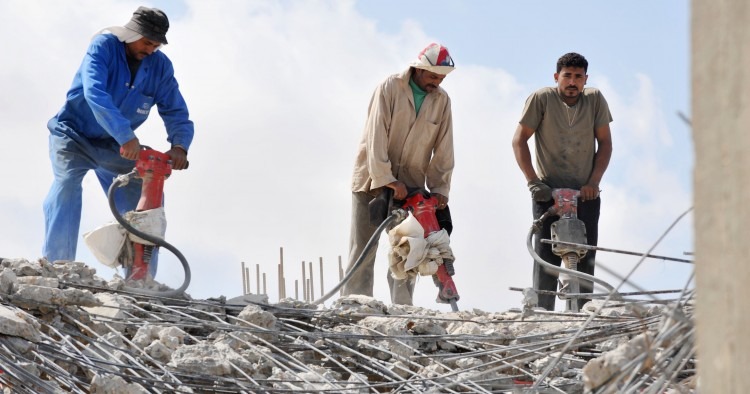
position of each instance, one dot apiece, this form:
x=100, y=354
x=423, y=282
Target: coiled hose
x=123, y=180
x=536, y=227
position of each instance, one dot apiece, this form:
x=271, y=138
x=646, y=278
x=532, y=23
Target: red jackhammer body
x=153, y=168
x=423, y=208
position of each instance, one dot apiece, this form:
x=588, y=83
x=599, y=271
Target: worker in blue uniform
x=122, y=76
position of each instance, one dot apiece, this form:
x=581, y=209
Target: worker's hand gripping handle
x=379, y=206
x=132, y=150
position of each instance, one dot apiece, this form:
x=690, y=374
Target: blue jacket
x=102, y=104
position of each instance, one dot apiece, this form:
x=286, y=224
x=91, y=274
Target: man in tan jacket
x=407, y=142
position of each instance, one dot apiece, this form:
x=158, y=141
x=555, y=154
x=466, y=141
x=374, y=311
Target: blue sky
x=619, y=38
x=279, y=91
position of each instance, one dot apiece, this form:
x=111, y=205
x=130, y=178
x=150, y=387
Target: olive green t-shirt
x=564, y=136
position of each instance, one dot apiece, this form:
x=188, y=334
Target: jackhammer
x=423, y=207
x=568, y=230
x=153, y=168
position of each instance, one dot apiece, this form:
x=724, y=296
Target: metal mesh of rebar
x=331, y=350
x=357, y=346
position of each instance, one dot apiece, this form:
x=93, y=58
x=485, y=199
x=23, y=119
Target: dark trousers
x=588, y=213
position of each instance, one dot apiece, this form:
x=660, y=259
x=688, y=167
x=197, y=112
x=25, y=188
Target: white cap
x=434, y=58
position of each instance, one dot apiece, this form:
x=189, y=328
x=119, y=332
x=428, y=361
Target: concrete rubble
x=63, y=330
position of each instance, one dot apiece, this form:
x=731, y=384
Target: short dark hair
x=572, y=59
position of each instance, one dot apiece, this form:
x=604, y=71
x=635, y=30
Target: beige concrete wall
x=721, y=133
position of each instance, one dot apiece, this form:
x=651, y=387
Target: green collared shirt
x=419, y=94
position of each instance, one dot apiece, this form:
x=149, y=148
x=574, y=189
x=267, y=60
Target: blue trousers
x=72, y=156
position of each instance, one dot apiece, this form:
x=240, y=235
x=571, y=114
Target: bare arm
x=603, y=137
x=522, y=152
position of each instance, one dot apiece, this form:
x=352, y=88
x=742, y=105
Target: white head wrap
x=123, y=34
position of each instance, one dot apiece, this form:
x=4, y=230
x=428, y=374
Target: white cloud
x=279, y=92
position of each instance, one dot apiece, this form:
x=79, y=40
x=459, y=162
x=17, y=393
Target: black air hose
x=536, y=227
x=121, y=181
x=396, y=215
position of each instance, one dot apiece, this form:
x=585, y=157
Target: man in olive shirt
x=573, y=145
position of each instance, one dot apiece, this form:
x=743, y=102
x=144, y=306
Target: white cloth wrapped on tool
x=152, y=222
x=411, y=254
x=106, y=242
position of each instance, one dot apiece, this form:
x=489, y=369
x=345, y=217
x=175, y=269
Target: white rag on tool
x=411, y=254
x=152, y=222
x=106, y=242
